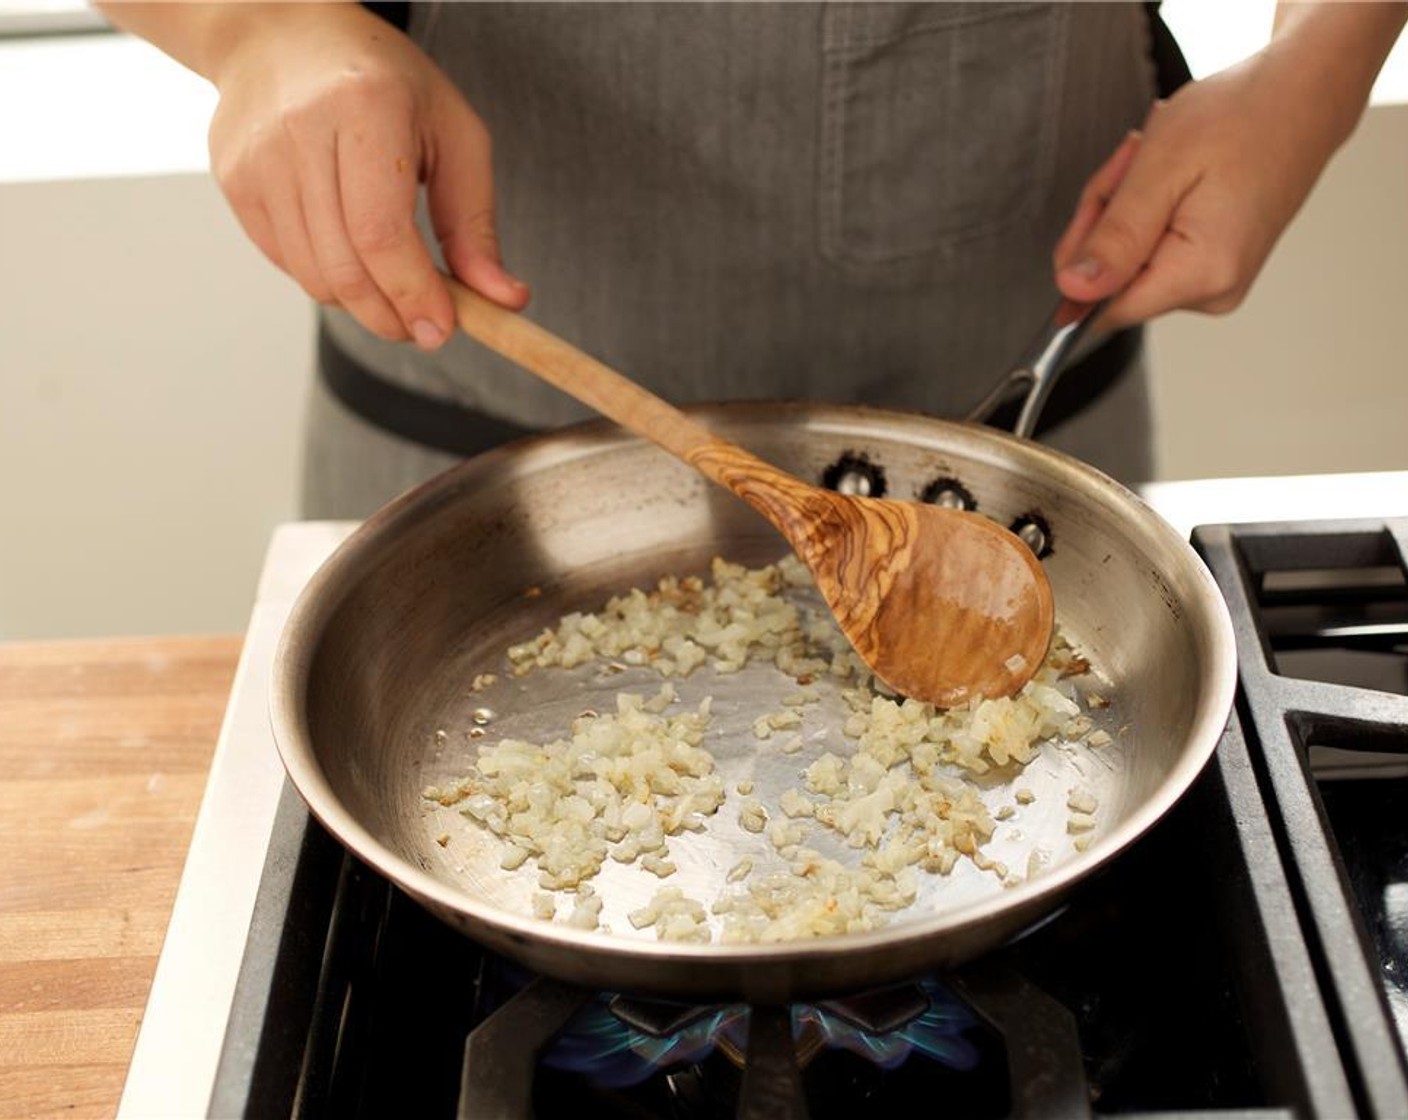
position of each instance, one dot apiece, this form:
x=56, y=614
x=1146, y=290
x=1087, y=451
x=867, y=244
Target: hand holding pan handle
x=1042, y=363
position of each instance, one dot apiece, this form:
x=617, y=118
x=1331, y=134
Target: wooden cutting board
x=104, y=750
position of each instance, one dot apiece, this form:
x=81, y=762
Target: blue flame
x=938, y=1033
x=615, y=1055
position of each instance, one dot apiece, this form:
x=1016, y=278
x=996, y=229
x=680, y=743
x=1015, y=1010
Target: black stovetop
x=1246, y=957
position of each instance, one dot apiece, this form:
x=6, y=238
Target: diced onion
x=623, y=782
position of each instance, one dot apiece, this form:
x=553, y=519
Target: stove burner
x=885, y=1011
x=615, y=1052
x=870, y=1026
x=616, y=1041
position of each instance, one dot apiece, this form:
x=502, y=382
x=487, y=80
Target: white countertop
x=1308, y=497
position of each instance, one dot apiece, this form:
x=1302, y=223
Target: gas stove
x=1248, y=958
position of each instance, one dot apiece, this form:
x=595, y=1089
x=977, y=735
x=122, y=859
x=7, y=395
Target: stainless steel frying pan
x=380, y=651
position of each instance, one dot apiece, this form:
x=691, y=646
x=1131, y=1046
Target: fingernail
x=426, y=334
x=1087, y=268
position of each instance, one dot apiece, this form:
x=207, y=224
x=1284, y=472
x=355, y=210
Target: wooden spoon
x=943, y=605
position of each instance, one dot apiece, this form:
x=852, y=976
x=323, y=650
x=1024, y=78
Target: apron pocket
x=939, y=124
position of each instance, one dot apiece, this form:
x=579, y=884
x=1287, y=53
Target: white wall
x=1310, y=374
x=152, y=373
x=153, y=367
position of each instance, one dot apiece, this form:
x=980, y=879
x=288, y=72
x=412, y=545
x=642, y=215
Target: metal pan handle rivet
x=950, y=494
x=1034, y=532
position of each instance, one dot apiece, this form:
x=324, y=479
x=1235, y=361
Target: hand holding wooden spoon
x=943, y=605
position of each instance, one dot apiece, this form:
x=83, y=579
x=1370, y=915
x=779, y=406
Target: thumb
x=1123, y=238
x=460, y=194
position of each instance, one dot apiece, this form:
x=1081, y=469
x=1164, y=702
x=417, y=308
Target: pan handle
x=1041, y=365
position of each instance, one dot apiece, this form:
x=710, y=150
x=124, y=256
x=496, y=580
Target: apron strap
x=450, y=427
x=1170, y=67
x=430, y=421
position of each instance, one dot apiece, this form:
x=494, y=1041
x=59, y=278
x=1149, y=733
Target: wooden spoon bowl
x=943, y=605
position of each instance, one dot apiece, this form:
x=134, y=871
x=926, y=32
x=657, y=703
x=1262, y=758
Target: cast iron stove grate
x=1321, y=616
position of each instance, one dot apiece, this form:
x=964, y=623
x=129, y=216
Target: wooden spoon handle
x=638, y=410
x=579, y=375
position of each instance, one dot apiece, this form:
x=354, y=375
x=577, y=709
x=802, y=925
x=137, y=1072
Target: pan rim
x=313, y=608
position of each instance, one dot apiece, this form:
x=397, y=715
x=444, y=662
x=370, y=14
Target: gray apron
x=842, y=202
